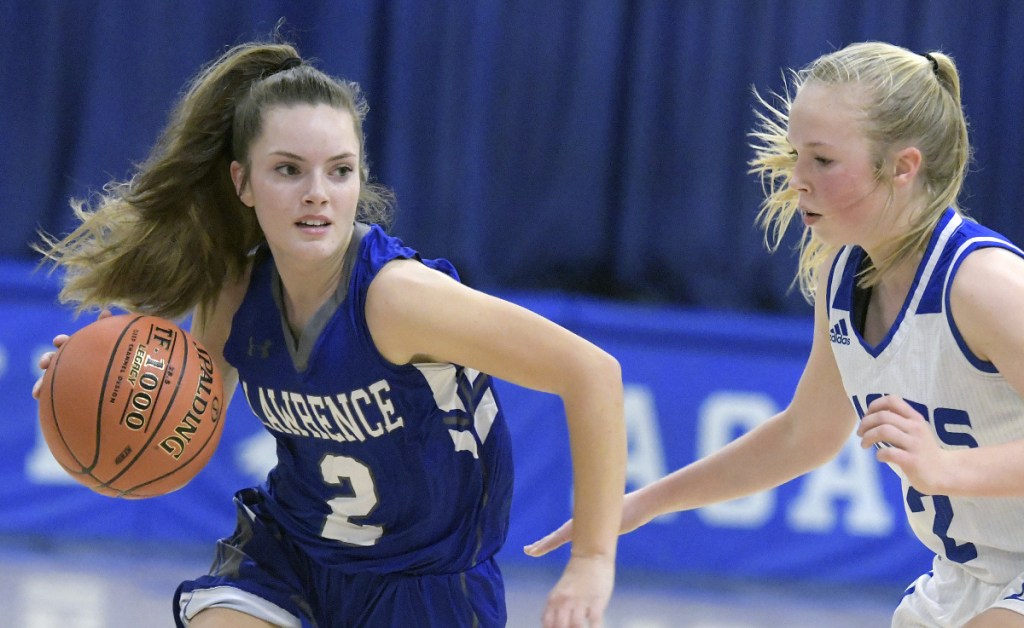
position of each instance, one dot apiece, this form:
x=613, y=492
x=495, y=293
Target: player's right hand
x=581, y=595
x=47, y=358
x=44, y=362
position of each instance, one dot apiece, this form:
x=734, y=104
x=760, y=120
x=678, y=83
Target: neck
x=894, y=286
x=303, y=300
x=305, y=289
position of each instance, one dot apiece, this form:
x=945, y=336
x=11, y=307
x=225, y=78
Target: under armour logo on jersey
x=839, y=335
x=263, y=348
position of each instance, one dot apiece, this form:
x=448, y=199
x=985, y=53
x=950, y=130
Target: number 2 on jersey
x=958, y=553
x=339, y=470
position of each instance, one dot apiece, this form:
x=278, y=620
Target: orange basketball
x=131, y=406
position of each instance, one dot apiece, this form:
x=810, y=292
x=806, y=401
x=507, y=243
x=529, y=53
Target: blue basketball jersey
x=381, y=468
x=965, y=400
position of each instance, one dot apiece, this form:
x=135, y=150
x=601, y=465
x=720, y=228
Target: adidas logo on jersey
x=839, y=334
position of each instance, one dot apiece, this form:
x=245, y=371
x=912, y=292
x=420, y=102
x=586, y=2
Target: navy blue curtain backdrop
x=583, y=146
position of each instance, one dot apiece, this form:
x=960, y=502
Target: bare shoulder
x=403, y=284
x=986, y=298
x=409, y=303
x=988, y=276
x=407, y=273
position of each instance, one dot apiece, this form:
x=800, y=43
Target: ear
x=908, y=164
x=241, y=185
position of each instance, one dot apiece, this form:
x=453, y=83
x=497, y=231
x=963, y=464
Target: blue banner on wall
x=694, y=381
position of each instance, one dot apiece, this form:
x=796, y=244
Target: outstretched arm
x=808, y=433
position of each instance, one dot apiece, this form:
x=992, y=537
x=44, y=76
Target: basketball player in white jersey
x=918, y=340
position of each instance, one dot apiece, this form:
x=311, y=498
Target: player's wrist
x=581, y=555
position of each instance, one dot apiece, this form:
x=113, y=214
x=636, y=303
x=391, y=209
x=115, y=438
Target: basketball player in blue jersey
x=918, y=342
x=371, y=366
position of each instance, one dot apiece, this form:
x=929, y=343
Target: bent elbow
x=594, y=375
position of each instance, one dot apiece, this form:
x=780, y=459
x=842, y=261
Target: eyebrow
x=291, y=155
x=812, y=145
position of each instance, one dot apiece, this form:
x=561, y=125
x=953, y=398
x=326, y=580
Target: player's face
x=840, y=197
x=304, y=181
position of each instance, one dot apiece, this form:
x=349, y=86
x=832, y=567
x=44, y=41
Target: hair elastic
x=935, y=64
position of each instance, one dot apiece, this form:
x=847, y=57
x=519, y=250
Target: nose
x=797, y=180
x=316, y=192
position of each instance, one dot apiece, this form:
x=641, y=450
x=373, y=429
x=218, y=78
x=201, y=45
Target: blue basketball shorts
x=258, y=572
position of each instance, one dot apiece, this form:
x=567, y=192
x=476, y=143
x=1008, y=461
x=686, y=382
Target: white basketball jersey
x=924, y=360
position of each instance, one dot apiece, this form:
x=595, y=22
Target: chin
x=311, y=253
